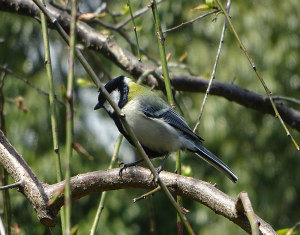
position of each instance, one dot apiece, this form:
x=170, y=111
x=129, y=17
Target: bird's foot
x=125, y=165
x=159, y=169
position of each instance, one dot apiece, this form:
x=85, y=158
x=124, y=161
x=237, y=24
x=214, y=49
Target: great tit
x=158, y=127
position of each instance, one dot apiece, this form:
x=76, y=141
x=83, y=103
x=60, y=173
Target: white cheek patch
x=127, y=80
x=115, y=96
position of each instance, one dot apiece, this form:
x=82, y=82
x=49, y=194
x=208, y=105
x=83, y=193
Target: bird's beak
x=98, y=106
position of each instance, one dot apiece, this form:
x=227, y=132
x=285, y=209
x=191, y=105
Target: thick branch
x=40, y=195
x=30, y=186
x=108, y=47
x=239, y=95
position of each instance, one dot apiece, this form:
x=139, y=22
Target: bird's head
x=118, y=89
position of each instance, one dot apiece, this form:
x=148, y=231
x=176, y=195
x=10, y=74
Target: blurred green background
x=253, y=145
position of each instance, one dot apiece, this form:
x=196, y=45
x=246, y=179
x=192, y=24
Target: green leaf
x=285, y=231
x=201, y=7
x=210, y=3
x=83, y=82
x=186, y=171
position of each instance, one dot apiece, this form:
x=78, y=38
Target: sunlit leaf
x=105, y=31
x=126, y=10
x=201, y=7
x=83, y=82
x=90, y=16
x=210, y=3
x=139, y=28
x=186, y=170
x=285, y=232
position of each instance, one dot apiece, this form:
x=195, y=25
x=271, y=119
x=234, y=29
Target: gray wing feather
x=173, y=118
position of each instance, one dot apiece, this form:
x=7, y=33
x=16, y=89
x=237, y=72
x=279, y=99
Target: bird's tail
x=215, y=162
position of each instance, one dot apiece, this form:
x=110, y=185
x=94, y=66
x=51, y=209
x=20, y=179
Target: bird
x=158, y=127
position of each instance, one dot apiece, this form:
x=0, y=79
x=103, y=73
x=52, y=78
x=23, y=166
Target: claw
x=125, y=165
x=121, y=163
x=122, y=168
x=159, y=169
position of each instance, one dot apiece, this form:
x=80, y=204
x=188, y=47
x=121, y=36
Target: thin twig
x=181, y=66
x=179, y=198
x=69, y=115
x=146, y=195
x=124, y=35
x=39, y=90
x=254, y=222
x=103, y=195
x=257, y=73
x=52, y=98
x=161, y=45
x=99, y=63
x=191, y=21
x=134, y=28
x=15, y=185
x=150, y=193
x=135, y=15
x=3, y=68
x=146, y=73
x=292, y=100
x=51, y=94
x=294, y=229
x=213, y=74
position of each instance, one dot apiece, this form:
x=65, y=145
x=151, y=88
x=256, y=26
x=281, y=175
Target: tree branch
x=48, y=199
x=108, y=47
x=30, y=186
x=238, y=95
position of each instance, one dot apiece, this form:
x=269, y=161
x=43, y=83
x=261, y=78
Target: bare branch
x=239, y=95
x=30, y=187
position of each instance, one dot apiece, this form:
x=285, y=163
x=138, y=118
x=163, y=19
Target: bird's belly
x=154, y=134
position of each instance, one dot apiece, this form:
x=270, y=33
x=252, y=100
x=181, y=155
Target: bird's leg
x=125, y=165
x=161, y=167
